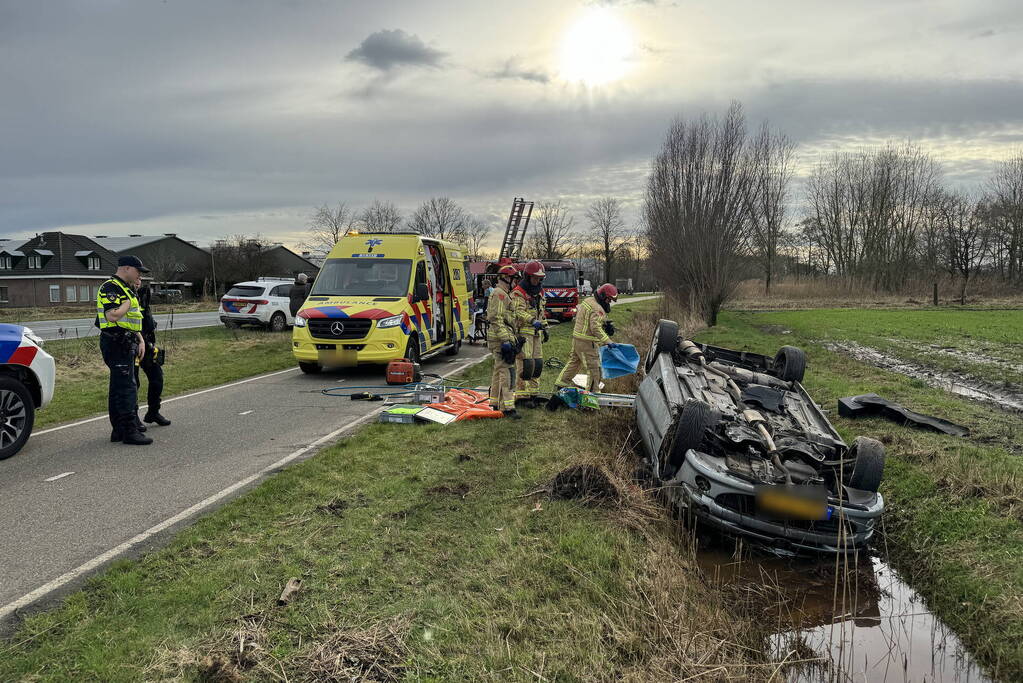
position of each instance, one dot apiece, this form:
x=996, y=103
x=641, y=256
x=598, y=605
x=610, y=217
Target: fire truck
x=561, y=284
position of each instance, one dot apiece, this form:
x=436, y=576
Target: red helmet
x=509, y=270
x=608, y=291
x=534, y=268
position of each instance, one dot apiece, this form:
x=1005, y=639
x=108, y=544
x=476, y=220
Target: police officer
x=119, y=319
x=502, y=343
x=591, y=330
x=151, y=363
x=528, y=309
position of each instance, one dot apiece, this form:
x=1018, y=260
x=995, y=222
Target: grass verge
x=425, y=553
x=953, y=524
x=196, y=358
x=28, y=315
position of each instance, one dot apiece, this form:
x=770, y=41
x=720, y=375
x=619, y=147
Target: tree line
x=717, y=200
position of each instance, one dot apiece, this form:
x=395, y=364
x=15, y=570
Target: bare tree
x=476, y=233
x=697, y=209
x=441, y=218
x=380, y=216
x=551, y=237
x=241, y=257
x=966, y=239
x=327, y=226
x=772, y=155
x=1005, y=216
x=164, y=266
x=607, y=229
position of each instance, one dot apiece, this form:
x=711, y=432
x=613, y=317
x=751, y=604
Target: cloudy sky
x=216, y=117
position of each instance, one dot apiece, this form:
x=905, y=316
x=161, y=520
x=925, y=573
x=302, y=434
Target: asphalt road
x=71, y=501
x=85, y=327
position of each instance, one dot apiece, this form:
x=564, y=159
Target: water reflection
x=850, y=619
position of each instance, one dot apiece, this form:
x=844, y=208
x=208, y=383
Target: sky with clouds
x=209, y=118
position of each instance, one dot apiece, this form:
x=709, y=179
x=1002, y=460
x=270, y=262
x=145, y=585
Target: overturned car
x=734, y=440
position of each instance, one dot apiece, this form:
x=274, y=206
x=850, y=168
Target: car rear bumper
x=710, y=493
x=239, y=319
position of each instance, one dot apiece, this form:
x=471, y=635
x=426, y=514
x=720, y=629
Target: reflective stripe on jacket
x=525, y=310
x=589, y=322
x=132, y=320
x=499, y=315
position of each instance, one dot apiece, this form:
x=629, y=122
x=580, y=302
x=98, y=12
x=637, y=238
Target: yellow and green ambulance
x=384, y=296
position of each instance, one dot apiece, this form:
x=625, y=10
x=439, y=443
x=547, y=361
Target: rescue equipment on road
x=403, y=371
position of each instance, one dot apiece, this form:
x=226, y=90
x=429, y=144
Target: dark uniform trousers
x=118, y=351
x=154, y=376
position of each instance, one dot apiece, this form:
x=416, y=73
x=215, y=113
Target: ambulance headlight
x=393, y=321
x=300, y=321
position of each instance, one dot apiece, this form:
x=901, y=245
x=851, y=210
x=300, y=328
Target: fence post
x=935, y=294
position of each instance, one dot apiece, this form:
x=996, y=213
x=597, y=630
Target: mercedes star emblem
x=337, y=328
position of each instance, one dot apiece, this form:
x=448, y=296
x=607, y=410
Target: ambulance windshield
x=363, y=277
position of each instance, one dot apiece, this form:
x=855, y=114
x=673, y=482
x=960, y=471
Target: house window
x=3, y=295
x=95, y=292
x=94, y=263
x=6, y=262
x=83, y=293
x=71, y=294
x=54, y=294
x=35, y=263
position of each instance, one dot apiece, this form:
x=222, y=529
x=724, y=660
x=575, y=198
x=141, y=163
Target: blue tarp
x=622, y=359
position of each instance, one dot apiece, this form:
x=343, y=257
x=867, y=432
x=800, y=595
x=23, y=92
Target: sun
x=595, y=50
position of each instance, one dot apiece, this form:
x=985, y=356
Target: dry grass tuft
x=376, y=652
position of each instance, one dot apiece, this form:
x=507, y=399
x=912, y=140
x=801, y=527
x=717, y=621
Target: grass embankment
x=426, y=553
x=196, y=358
x=27, y=315
x=954, y=518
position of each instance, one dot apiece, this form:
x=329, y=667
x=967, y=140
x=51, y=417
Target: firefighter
x=592, y=329
x=528, y=307
x=502, y=342
x=119, y=319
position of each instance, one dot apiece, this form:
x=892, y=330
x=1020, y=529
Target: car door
x=281, y=300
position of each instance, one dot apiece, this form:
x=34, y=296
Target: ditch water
x=854, y=620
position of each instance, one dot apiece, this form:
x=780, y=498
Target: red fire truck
x=560, y=286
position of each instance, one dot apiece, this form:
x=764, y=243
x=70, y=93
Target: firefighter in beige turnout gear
x=502, y=342
x=528, y=308
x=590, y=331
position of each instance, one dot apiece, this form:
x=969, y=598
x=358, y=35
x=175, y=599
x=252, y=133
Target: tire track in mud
x=1010, y=399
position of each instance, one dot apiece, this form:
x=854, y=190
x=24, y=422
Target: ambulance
x=384, y=296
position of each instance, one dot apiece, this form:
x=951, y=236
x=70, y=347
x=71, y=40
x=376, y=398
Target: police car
x=263, y=302
x=26, y=385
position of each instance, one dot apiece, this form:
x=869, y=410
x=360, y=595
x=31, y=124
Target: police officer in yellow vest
x=119, y=319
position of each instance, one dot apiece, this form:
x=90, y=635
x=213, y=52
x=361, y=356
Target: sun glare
x=595, y=50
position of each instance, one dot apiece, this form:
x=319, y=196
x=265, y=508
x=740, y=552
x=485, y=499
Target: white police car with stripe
x=27, y=375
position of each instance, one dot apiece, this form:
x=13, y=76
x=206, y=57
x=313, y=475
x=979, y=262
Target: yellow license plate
x=802, y=502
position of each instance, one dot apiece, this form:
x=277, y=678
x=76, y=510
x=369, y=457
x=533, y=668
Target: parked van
x=383, y=296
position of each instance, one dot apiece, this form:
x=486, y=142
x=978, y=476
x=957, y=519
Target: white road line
x=245, y=413
x=167, y=400
x=59, y=476
x=99, y=560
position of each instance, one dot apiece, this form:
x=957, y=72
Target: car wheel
x=17, y=415
x=454, y=349
x=665, y=340
x=867, y=464
x=310, y=368
x=278, y=322
x=689, y=430
x=790, y=364
x=231, y=325
x=412, y=349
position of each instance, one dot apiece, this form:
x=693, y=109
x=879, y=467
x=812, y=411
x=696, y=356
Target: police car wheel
x=17, y=414
x=278, y=322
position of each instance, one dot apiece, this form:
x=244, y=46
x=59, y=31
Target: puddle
x=971, y=356
x=950, y=382
x=866, y=626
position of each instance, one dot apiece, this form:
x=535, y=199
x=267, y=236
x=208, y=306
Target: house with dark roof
x=53, y=269
x=174, y=262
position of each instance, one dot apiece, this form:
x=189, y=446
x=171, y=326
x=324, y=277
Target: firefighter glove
x=546, y=337
x=508, y=352
x=609, y=328
x=537, y=325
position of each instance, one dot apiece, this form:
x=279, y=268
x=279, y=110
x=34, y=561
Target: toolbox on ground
x=403, y=371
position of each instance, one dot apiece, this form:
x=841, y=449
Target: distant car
x=262, y=302
x=168, y=294
x=27, y=374
x=733, y=439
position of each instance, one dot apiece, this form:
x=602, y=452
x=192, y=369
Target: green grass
x=954, y=515
x=33, y=314
x=422, y=552
x=196, y=358
x=922, y=336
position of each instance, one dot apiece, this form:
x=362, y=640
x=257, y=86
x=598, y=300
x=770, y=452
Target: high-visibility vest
x=132, y=320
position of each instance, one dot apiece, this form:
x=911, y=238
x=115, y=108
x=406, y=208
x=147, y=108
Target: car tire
x=278, y=322
x=789, y=364
x=412, y=349
x=231, y=325
x=664, y=340
x=310, y=368
x=867, y=466
x=453, y=349
x=689, y=430
x=17, y=415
